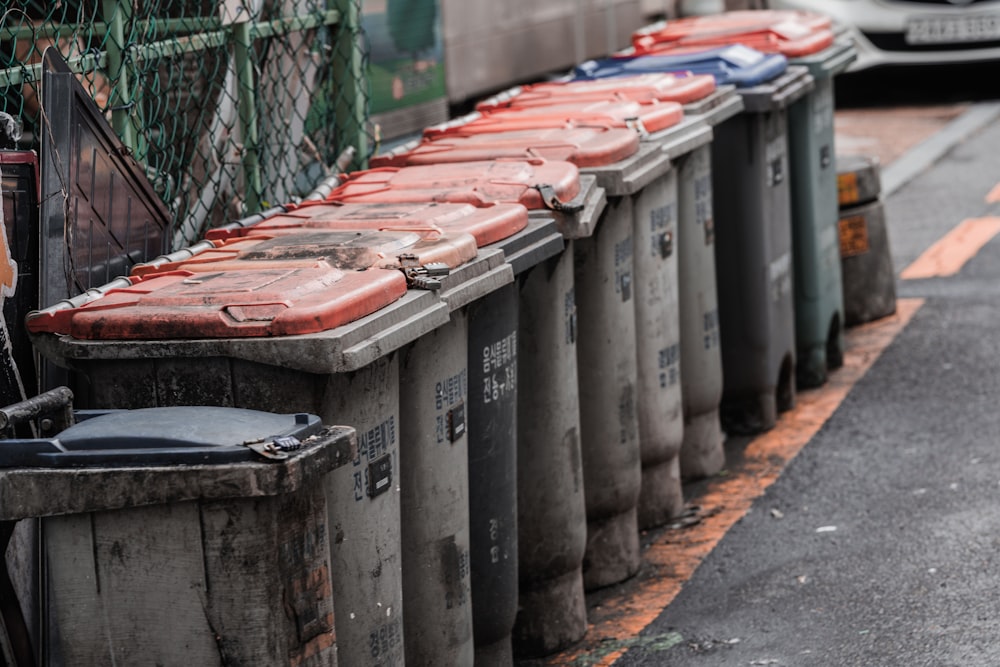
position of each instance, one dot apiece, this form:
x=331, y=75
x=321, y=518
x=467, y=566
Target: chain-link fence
x=231, y=105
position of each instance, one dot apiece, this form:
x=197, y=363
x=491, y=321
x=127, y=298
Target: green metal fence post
x=125, y=112
x=348, y=76
x=249, y=131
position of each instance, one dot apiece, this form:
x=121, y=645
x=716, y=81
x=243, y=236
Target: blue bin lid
x=735, y=64
x=183, y=435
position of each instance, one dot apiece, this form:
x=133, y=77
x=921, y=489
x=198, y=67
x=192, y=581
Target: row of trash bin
x=538, y=319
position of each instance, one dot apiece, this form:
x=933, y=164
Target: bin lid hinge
x=553, y=202
x=277, y=448
x=423, y=276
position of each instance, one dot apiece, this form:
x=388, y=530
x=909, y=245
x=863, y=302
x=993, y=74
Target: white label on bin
x=450, y=393
x=779, y=274
x=496, y=552
x=627, y=420
x=822, y=109
x=711, y=329
x=829, y=242
x=500, y=368
x=669, y=359
x=703, y=202
x=623, y=268
x=661, y=220
x=373, y=444
x=775, y=156
x=569, y=304
x=385, y=643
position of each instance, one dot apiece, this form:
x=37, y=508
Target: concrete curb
x=923, y=155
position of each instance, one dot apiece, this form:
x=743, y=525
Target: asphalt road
x=878, y=545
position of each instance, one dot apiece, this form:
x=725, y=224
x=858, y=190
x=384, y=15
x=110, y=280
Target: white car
x=913, y=32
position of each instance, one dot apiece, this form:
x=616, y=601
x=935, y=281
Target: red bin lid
x=228, y=304
x=487, y=224
x=583, y=146
x=661, y=87
x=650, y=116
x=788, y=32
x=346, y=250
x=476, y=183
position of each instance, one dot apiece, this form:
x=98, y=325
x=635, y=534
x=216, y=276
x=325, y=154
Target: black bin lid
x=183, y=435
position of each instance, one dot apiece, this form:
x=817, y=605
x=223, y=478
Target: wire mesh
x=231, y=106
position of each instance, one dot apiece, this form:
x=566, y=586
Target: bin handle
x=552, y=201
x=57, y=402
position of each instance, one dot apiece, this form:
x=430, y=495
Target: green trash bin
x=819, y=299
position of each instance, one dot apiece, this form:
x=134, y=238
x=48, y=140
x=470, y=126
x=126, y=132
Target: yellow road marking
x=994, y=195
x=951, y=252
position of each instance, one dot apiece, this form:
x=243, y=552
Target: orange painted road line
x=676, y=554
x=953, y=250
x=994, y=196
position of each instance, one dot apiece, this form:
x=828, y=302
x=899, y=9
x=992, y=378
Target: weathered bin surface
x=494, y=379
x=434, y=400
x=578, y=202
x=348, y=374
x=167, y=538
x=552, y=523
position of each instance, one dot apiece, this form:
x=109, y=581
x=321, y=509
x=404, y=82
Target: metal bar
x=116, y=14
x=175, y=26
x=15, y=76
x=247, y=100
x=289, y=24
x=55, y=402
x=349, y=109
x=178, y=45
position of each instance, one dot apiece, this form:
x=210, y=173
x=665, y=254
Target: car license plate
x=953, y=29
